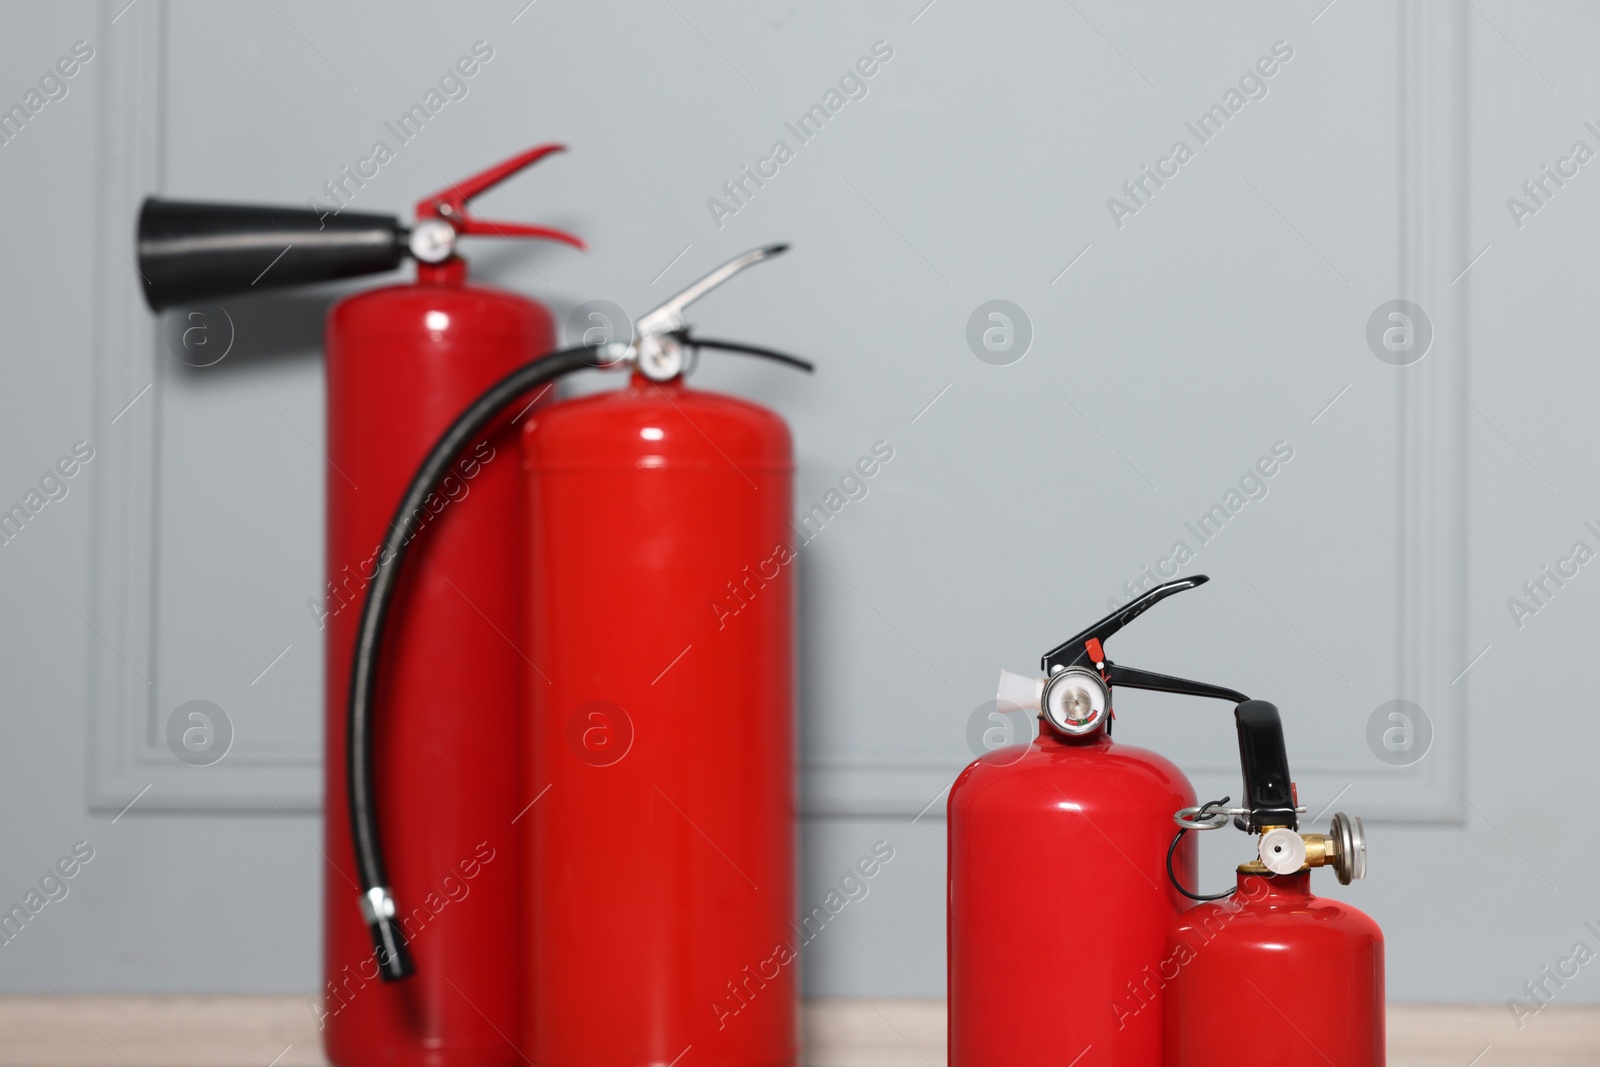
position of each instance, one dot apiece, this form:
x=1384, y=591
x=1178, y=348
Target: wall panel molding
x=1434, y=656
x=128, y=756
x=1431, y=249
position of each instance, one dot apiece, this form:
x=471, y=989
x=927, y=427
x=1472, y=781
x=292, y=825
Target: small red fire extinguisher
x=402, y=362
x=1266, y=971
x=1058, y=856
x=1082, y=832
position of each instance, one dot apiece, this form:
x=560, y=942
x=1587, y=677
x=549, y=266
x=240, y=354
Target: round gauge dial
x=432, y=240
x=1076, y=701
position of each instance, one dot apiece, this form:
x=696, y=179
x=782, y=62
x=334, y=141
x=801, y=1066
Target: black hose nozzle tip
x=388, y=940
x=389, y=946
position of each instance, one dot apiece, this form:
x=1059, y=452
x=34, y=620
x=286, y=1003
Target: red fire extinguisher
x=1058, y=856
x=402, y=362
x=659, y=828
x=1266, y=971
x=656, y=803
x=662, y=849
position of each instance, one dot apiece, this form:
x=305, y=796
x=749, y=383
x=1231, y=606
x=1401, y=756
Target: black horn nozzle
x=191, y=251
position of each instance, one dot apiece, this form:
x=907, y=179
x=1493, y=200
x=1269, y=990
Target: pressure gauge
x=432, y=240
x=1349, y=847
x=1076, y=701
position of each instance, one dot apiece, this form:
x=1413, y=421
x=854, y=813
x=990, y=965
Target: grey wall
x=1171, y=349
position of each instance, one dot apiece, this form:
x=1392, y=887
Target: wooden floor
x=115, y=1031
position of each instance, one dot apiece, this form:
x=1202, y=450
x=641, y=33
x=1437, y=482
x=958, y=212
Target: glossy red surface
x=1274, y=975
x=1059, y=901
x=661, y=848
x=402, y=363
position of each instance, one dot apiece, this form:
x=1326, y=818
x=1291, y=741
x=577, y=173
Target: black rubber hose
x=1173, y=875
x=393, y=956
x=388, y=939
x=747, y=350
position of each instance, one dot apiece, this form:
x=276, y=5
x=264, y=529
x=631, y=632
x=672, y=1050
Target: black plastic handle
x=200, y=251
x=1071, y=651
x=1074, y=652
x=1268, y=788
x=1134, y=678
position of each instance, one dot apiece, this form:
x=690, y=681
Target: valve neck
x=1266, y=888
x=451, y=274
x=639, y=383
x=1093, y=739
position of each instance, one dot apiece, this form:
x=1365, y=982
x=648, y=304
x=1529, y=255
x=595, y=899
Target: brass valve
x=1272, y=809
x=1283, y=851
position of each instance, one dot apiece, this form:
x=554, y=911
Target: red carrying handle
x=450, y=203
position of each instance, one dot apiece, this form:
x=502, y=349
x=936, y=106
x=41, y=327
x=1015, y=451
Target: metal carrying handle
x=661, y=347
x=1087, y=649
x=1072, y=649
x=450, y=203
x=668, y=317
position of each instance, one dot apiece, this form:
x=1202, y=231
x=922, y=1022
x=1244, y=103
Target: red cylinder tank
x=1060, y=902
x=402, y=363
x=659, y=817
x=1276, y=974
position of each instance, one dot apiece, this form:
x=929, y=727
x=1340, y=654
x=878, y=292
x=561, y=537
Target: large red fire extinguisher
x=660, y=819
x=656, y=801
x=661, y=598
x=1058, y=856
x=402, y=362
x=1267, y=972
x=660, y=829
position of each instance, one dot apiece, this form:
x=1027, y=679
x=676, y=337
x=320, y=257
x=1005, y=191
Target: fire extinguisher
x=402, y=362
x=1058, y=855
x=1266, y=970
x=659, y=826
x=656, y=793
